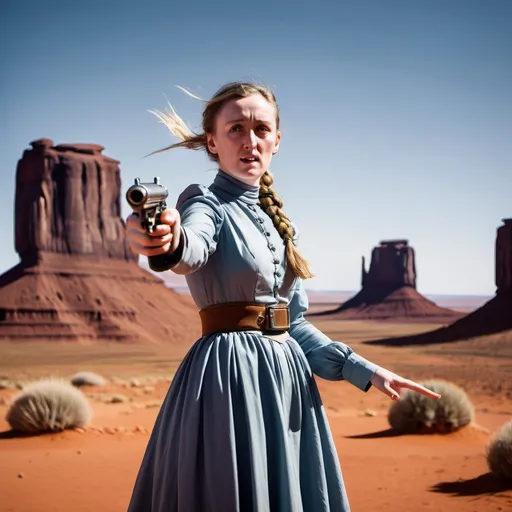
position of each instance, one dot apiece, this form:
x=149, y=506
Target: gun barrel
x=146, y=195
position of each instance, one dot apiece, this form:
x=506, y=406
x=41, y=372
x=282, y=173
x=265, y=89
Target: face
x=245, y=137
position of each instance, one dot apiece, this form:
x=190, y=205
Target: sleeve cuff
x=166, y=261
x=358, y=371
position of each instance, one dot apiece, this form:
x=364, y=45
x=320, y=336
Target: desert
x=184, y=183
x=78, y=301
x=93, y=468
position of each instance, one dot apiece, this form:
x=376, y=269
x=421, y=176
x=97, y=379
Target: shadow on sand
x=389, y=432
x=483, y=484
x=12, y=434
x=493, y=317
x=15, y=434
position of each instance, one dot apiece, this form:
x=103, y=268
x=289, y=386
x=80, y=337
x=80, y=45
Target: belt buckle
x=271, y=320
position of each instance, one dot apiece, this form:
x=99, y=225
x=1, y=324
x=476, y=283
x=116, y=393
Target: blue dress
x=242, y=427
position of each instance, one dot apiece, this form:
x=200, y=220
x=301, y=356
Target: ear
x=278, y=141
x=210, y=144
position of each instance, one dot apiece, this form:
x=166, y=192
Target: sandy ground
x=93, y=469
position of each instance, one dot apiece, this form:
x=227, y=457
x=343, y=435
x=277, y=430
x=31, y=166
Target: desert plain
x=94, y=468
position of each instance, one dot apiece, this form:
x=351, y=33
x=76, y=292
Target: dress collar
x=233, y=188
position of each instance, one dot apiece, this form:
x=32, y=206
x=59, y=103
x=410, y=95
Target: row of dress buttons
x=271, y=246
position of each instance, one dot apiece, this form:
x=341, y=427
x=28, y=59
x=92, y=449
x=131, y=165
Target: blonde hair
x=270, y=202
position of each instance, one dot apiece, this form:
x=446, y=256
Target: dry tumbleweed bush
x=48, y=405
x=87, y=379
x=416, y=413
x=499, y=452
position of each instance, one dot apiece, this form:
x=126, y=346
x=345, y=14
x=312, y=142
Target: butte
x=495, y=316
x=78, y=280
x=389, y=291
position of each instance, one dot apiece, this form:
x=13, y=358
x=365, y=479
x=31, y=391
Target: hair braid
x=272, y=204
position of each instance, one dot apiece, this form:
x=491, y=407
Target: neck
x=249, y=183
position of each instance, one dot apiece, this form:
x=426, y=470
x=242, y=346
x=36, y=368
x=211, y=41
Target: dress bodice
x=232, y=251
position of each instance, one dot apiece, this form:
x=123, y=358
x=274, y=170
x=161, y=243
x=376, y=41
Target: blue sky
x=396, y=115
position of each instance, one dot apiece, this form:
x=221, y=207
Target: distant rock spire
x=392, y=266
x=389, y=289
x=504, y=258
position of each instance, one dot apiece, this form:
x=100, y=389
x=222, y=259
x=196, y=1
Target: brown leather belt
x=243, y=316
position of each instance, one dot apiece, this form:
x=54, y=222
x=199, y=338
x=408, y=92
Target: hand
x=165, y=237
x=391, y=384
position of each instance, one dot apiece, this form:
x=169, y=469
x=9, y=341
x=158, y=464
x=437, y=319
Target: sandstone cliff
x=68, y=201
x=77, y=279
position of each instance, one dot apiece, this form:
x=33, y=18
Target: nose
x=250, y=141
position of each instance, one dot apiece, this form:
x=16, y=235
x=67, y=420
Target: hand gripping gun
x=148, y=200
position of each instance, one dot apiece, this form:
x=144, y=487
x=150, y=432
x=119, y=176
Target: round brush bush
x=87, y=379
x=47, y=406
x=416, y=413
x=499, y=452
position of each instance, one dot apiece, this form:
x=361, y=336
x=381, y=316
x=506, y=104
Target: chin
x=249, y=175
x=254, y=174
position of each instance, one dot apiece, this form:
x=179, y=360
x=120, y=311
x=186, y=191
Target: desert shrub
x=499, y=452
x=48, y=405
x=87, y=379
x=416, y=413
x=135, y=383
x=12, y=384
x=116, y=399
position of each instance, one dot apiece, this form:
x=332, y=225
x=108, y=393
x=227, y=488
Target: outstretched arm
x=333, y=360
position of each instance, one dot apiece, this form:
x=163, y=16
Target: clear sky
x=396, y=115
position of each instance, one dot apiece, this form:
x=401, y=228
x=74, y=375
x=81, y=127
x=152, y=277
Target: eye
x=236, y=128
x=263, y=127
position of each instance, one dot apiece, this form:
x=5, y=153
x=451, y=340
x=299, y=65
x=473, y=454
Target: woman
x=243, y=427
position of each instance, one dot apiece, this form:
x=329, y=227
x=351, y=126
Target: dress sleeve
x=201, y=221
x=330, y=360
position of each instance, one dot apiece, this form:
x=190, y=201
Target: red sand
x=94, y=469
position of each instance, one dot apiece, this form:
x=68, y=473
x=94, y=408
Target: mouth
x=249, y=160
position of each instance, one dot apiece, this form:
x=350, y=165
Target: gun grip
x=158, y=215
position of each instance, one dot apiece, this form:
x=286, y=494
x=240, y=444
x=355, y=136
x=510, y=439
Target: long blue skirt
x=242, y=429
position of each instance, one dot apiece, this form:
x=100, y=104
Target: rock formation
x=503, y=253
x=78, y=279
x=389, y=289
x=392, y=266
x=495, y=316
x=68, y=202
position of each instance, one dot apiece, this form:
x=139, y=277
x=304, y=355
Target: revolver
x=148, y=200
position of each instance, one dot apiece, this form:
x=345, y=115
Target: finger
x=414, y=386
x=176, y=232
x=392, y=393
x=160, y=230
x=158, y=241
x=133, y=222
x=151, y=242
x=145, y=240
x=148, y=251
x=134, y=225
x=169, y=216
